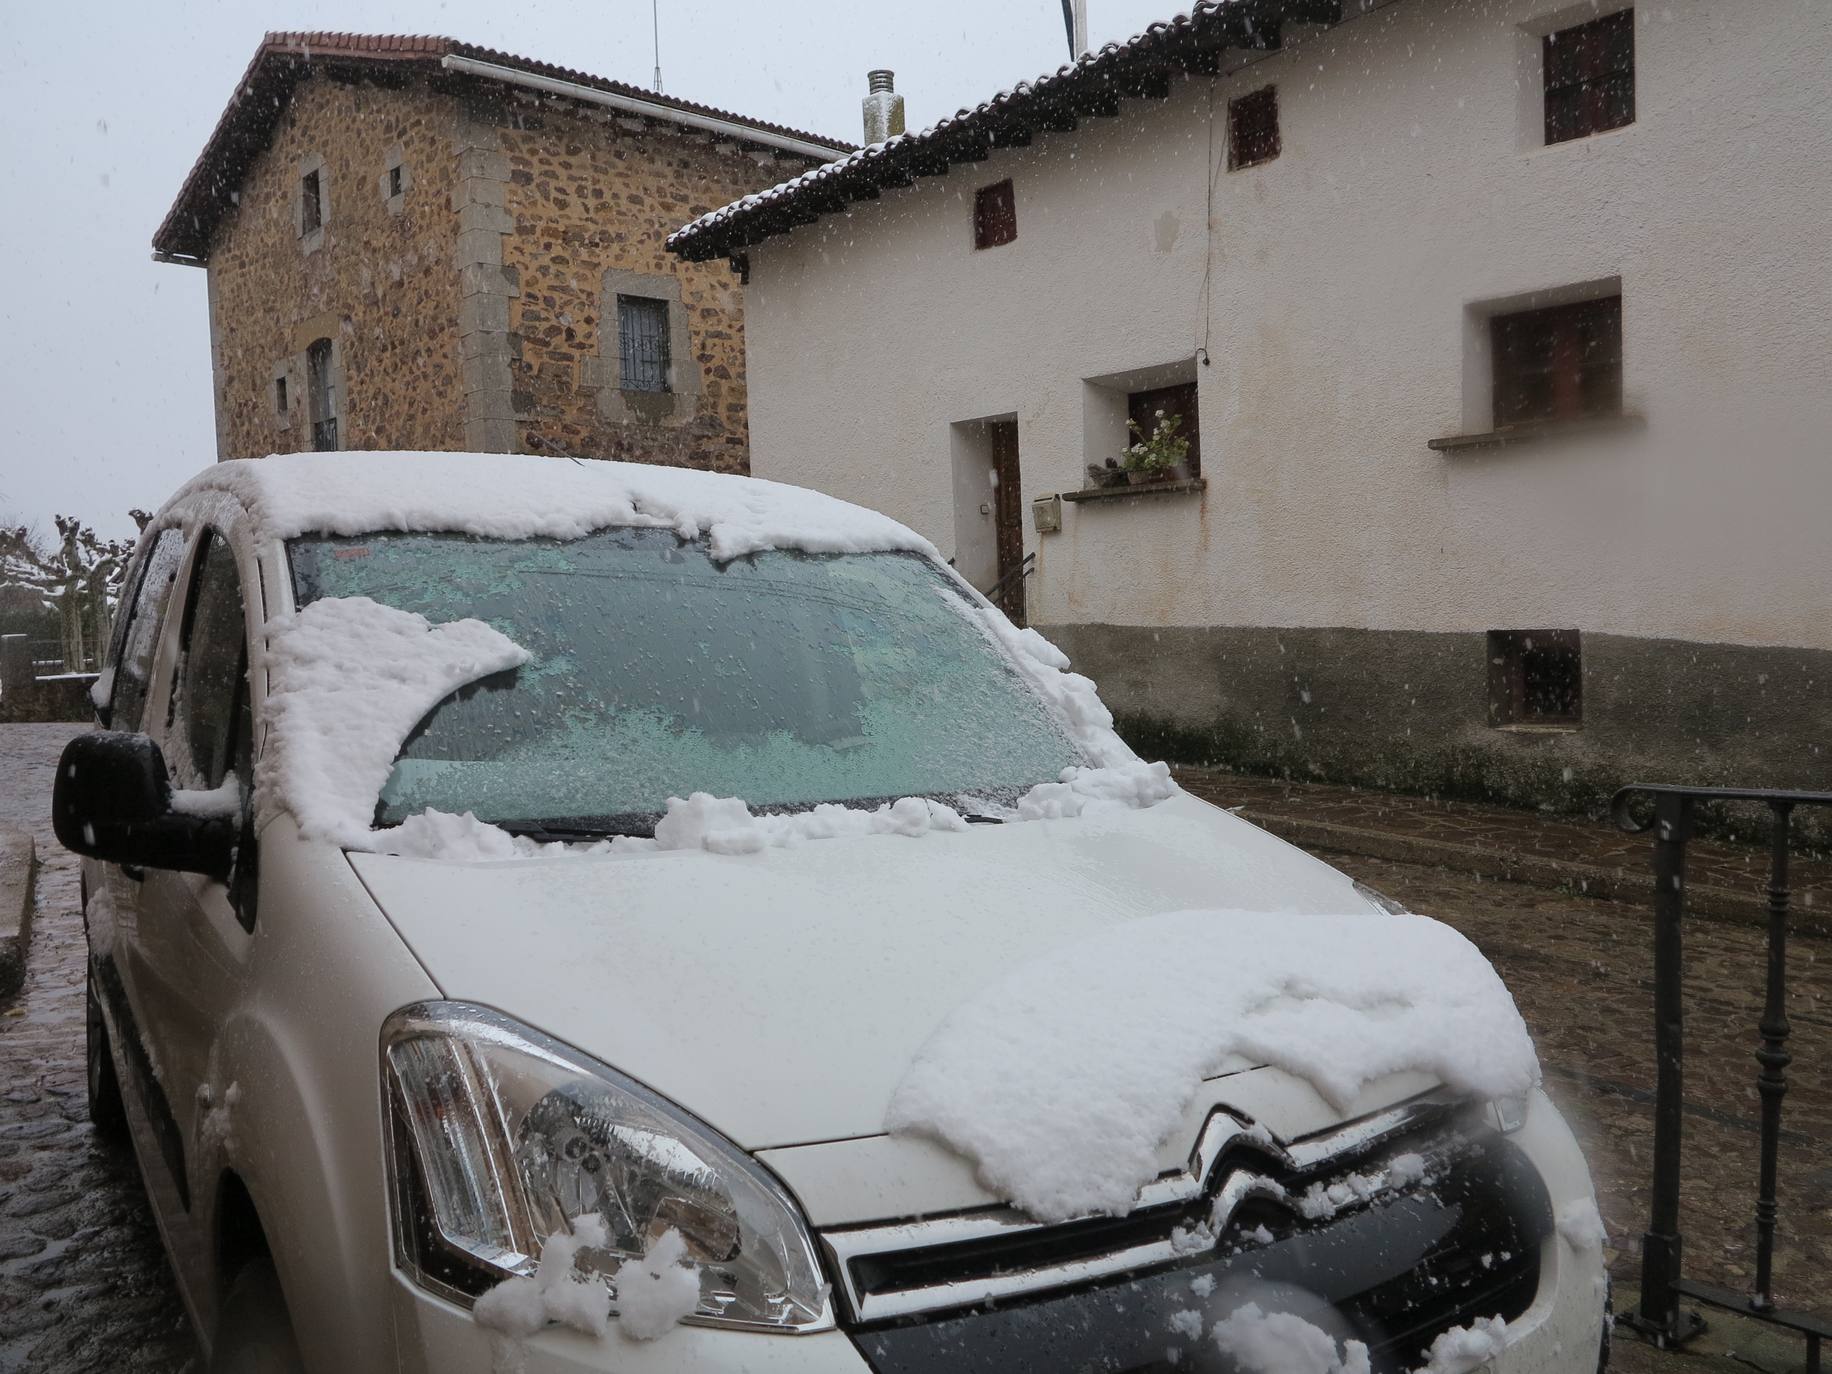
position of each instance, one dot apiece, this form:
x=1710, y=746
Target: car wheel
x=105, y=1111
x=254, y=1333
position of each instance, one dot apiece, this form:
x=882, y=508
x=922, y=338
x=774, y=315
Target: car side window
x=205, y=729
x=139, y=636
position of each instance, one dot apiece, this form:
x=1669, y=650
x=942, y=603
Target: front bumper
x=1124, y=1325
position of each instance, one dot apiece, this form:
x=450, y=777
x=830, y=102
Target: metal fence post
x=1774, y=1058
x=1660, y=1247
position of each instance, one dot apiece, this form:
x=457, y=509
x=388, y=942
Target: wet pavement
x=1591, y=857
x=83, y=1280
x=84, y=1284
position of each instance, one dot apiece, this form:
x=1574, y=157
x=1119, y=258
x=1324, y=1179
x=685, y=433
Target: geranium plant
x=1159, y=453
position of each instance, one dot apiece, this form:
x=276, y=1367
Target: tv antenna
x=655, y=26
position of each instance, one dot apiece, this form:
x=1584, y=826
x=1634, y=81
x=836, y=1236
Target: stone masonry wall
x=378, y=280
x=590, y=198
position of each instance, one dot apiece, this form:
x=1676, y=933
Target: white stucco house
x=1502, y=330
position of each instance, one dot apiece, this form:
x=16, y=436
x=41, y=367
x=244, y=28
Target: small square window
x=1590, y=77
x=1253, y=128
x=394, y=180
x=642, y=343
x=1536, y=677
x=1147, y=410
x=311, y=202
x=1560, y=363
x=995, y=215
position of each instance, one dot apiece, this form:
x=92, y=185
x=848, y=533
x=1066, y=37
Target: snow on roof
x=513, y=496
x=1094, y=84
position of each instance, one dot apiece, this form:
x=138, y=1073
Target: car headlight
x=500, y=1136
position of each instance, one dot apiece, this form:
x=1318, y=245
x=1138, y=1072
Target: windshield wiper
x=574, y=828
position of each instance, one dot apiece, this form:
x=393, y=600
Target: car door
x=185, y=959
x=113, y=922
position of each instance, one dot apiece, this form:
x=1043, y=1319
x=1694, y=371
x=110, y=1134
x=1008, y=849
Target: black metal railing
x=1663, y=1282
x=1004, y=584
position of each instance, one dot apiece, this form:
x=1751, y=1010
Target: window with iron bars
x=642, y=343
x=321, y=394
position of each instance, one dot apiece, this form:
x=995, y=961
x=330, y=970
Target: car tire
x=106, y=1113
x=254, y=1332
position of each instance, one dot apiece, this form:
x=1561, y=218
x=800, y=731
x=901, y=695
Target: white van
x=571, y=916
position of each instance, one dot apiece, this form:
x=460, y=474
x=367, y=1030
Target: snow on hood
x=1061, y=1079
x=513, y=496
x=782, y=996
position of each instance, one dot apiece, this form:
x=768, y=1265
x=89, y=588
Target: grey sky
x=104, y=366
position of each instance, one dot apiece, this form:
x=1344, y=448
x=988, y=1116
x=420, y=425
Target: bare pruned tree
x=79, y=577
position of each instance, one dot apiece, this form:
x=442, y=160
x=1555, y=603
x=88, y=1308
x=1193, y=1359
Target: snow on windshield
x=1061, y=1079
x=348, y=680
x=780, y=678
x=361, y=700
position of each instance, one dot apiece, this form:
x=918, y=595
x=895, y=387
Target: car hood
x=780, y=996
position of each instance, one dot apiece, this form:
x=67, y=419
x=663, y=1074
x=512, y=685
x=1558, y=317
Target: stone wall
x=466, y=311
x=590, y=198
x=1410, y=710
x=377, y=280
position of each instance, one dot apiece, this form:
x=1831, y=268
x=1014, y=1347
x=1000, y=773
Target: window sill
x=1547, y=728
x=1188, y=486
x=1546, y=432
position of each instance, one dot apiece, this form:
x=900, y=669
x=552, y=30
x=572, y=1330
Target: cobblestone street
x=84, y=1285
x=83, y=1280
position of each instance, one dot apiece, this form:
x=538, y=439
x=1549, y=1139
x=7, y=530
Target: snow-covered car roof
x=512, y=496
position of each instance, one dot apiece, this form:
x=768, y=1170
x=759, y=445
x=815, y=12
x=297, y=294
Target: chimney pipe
x=883, y=106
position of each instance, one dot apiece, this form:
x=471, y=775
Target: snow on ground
x=1261, y=1342
x=511, y=496
x=1061, y=1079
x=349, y=678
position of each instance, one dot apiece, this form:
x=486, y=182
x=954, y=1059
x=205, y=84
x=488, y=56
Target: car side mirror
x=112, y=800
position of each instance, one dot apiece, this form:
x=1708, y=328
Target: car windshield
x=783, y=678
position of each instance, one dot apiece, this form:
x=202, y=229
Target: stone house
x=1499, y=334
x=416, y=243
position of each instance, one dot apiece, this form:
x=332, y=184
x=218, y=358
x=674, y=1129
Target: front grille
x=1393, y=1266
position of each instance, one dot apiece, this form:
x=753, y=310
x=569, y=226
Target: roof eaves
x=1093, y=85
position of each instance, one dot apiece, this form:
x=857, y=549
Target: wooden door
x=1008, y=518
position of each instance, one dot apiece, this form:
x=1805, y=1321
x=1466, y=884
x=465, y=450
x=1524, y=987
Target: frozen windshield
x=784, y=678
